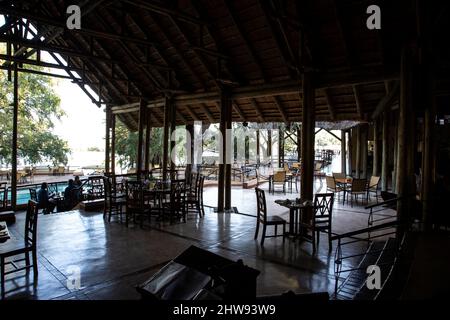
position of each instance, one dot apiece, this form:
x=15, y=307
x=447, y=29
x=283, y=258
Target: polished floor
x=112, y=259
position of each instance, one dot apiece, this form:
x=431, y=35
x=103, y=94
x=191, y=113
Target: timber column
x=224, y=183
x=107, y=139
x=307, y=148
x=142, y=107
x=14, y=140
x=384, y=152
x=343, y=153
x=167, y=106
x=113, y=144
x=148, y=129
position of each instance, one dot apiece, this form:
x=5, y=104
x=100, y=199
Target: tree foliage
x=39, y=107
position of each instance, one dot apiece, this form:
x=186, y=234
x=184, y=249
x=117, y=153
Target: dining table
x=297, y=210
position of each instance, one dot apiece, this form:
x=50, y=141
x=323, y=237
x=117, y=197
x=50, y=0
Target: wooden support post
x=350, y=152
x=405, y=181
x=358, y=151
x=269, y=145
x=343, y=153
x=113, y=143
x=299, y=143
x=280, y=145
x=428, y=163
x=140, y=160
x=228, y=153
x=189, y=149
x=225, y=103
x=307, y=149
x=167, y=106
x=258, y=158
x=364, y=132
x=394, y=171
x=14, y=139
x=375, y=165
x=148, y=131
x=107, y=139
x=384, y=153
x=173, y=120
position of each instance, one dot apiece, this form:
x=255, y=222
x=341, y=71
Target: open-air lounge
x=249, y=219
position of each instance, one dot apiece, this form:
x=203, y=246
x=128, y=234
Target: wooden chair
x=318, y=167
x=373, y=187
x=13, y=248
x=359, y=187
x=339, y=175
x=114, y=201
x=135, y=202
x=332, y=186
x=177, y=200
x=279, y=179
x=321, y=220
x=195, y=198
x=265, y=220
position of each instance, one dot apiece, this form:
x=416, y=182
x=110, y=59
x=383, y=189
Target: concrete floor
x=113, y=259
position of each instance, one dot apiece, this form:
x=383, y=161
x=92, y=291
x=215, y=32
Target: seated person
x=44, y=200
x=71, y=195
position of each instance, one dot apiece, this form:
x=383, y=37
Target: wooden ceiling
x=189, y=49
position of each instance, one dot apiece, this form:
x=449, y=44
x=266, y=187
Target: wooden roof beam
x=359, y=110
x=244, y=36
x=255, y=105
x=207, y=112
x=330, y=106
x=238, y=110
x=192, y=113
x=386, y=101
x=178, y=52
x=280, y=108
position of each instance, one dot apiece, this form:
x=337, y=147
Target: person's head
x=44, y=185
x=77, y=178
x=70, y=182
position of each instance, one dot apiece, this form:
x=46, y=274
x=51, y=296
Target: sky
x=84, y=123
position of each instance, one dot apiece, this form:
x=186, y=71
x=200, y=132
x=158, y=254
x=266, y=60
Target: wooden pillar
x=148, y=131
x=258, y=158
x=395, y=157
x=228, y=152
x=364, y=138
x=107, y=139
x=375, y=165
x=428, y=163
x=280, y=145
x=113, y=144
x=167, y=105
x=224, y=183
x=350, y=151
x=384, y=152
x=269, y=144
x=173, y=120
x=140, y=155
x=358, y=151
x=299, y=143
x=307, y=148
x=189, y=148
x=14, y=139
x=343, y=153
x=404, y=175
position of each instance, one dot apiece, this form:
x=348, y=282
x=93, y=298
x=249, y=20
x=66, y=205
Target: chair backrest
x=261, y=205
x=199, y=189
x=134, y=193
x=374, y=180
x=279, y=176
x=331, y=183
x=339, y=175
x=323, y=207
x=33, y=194
x=30, y=236
x=107, y=188
x=286, y=167
x=359, y=185
x=318, y=166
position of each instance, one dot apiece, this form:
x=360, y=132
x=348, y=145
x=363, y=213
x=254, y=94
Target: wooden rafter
x=244, y=36
x=386, y=101
x=330, y=105
x=255, y=105
x=178, y=52
x=280, y=108
x=358, y=101
x=207, y=112
x=345, y=41
x=191, y=112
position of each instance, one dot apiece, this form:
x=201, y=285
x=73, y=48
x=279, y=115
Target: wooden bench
x=8, y=216
x=92, y=205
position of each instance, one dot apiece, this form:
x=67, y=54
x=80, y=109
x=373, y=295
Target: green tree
x=39, y=107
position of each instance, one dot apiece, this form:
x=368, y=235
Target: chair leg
x=263, y=234
x=330, y=243
x=284, y=231
x=257, y=230
x=2, y=278
x=35, y=265
x=27, y=259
